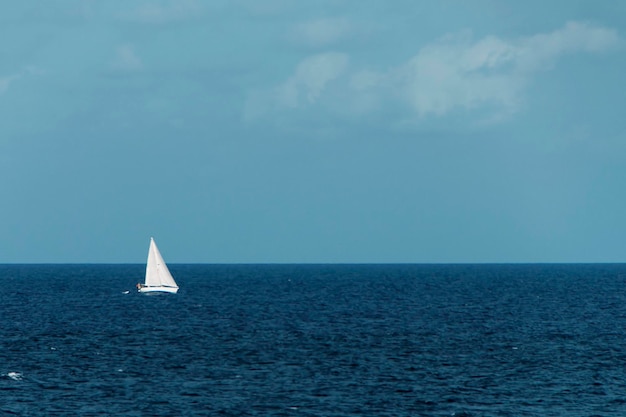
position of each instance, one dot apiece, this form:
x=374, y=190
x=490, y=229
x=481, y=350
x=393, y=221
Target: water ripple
x=386, y=340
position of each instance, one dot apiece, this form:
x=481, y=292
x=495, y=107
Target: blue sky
x=320, y=131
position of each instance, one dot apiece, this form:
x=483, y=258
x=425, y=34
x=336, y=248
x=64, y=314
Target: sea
x=315, y=340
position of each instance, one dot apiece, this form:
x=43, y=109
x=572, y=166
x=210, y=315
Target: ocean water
x=315, y=340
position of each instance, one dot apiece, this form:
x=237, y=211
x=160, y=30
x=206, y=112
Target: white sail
x=157, y=273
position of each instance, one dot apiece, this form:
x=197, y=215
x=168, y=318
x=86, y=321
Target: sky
x=327, y=131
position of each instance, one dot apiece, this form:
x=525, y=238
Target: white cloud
x=457, y=72
x=322, y=32
x=303, y=88
x=126, y=60
x=540, y=51
x=311, y=77
x=452, y=73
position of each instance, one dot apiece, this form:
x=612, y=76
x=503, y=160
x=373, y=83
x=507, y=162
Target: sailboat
x=158, y=277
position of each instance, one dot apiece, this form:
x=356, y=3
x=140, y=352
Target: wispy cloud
x=453, y=72
x=304, y=87
x=7, y=81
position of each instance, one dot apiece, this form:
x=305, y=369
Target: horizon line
x=324, y=263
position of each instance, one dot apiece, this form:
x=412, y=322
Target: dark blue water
x=347, y=340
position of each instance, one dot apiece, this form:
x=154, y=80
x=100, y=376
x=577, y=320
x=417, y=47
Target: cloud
x=455, y=72
x=458, y=72
x=6, y=82
x=303, y=88
x=126, y=60
x=540, y=51
x=311, y=77
x=322, y=32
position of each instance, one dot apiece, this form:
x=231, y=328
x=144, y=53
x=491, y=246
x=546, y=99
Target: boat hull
x=156, y=290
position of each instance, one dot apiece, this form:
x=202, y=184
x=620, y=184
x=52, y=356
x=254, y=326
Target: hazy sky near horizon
x=313, y=131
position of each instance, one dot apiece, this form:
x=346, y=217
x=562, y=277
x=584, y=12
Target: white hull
x=171, y=290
